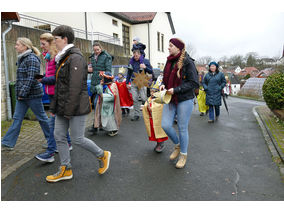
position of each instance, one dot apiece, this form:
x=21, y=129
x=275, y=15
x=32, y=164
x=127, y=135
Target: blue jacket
x=213, y=85
x=27, y=87
x=136, y=68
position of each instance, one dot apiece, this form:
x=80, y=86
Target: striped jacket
x=27, y=87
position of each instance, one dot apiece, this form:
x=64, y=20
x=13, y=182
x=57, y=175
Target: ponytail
x=180, y=62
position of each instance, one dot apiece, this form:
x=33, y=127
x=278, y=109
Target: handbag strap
x=61, y=66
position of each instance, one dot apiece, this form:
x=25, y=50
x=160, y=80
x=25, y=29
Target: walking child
x=152, y=114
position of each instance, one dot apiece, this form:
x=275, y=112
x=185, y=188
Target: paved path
x=228, y=160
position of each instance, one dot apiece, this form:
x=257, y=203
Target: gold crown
x=121, y=70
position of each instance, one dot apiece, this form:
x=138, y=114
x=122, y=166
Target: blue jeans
x=211, y=112
x=51, y=144
x=22, y=107
x=183, y=111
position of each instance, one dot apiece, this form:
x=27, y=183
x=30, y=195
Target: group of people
x=65, y=82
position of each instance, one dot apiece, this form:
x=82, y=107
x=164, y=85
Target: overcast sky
x=230, y=33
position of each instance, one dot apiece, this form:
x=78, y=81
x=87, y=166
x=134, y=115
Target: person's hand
x=128, y=86
x=20, y=98
x=170, y=91
x=162, y=87
x=143, y=66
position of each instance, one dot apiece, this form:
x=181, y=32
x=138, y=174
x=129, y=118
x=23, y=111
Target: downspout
x=6, y=71
x=86, y=26
x=149, y=47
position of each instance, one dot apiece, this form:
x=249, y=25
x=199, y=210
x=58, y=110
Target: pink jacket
x=50, y=71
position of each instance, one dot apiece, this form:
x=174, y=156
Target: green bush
x=273, y=91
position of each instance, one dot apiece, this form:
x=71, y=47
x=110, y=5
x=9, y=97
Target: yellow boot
x=175, y=153
x=63, y=174
x=104, y=162
x=181, y=161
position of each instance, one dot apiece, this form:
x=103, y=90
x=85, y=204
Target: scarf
x=171, y=79
x=24, y=54
x=63, y=51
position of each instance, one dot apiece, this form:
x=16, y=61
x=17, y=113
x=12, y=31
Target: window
x=162, y=42
x=115, y=35
x=114, y=22
x=125, y=39
x=44, y=27
x=158, y=40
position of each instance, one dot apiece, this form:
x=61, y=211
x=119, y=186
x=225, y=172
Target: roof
x=201, y=68
x=266, y=72
x=252, y=71
x=10, y=16
x=134, y=17
x=140, y=17
x=234, y=79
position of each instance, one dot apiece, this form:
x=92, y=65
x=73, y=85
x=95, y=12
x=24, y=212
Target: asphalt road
x=227, y=160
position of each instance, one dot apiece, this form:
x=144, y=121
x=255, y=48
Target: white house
x=153, y=28
x=235, y=85
x=238, y=69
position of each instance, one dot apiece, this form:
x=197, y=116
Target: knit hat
x=136, y=39
x=178, y=43
x=213, y=63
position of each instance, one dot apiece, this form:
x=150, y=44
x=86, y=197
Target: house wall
x=74, y=19
x=160, y=24
x=235, y=88
x=102, y=22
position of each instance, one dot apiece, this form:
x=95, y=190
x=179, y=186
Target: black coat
x=190, y=82
x=71, y=93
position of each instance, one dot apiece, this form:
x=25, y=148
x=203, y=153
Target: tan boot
x=181, y=161
x=175, y=153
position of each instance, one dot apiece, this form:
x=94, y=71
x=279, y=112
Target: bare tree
x=190, y=49
x=204, y=60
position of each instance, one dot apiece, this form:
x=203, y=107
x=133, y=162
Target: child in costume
x=201, y=98
x=152, y=114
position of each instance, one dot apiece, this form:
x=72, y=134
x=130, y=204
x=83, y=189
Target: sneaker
x=113, y=133
x=104, y=162
x=159, y=147
x=70, y=148
x=64, y=173
x=6, y=148
x=135, y=118
x=210, y=121
x=217, y=117
x=45, y=157
x=202, y=114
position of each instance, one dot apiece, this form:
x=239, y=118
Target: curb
x=269, y=143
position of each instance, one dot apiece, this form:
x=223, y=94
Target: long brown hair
x=50, y=39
